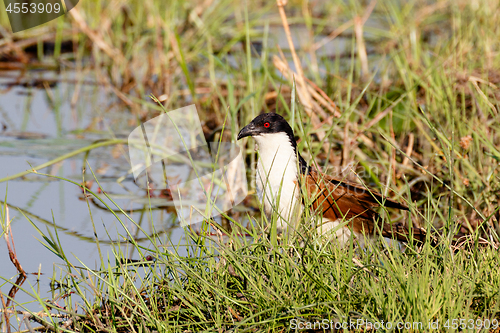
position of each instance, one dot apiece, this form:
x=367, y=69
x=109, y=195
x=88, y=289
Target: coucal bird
x=283, y=177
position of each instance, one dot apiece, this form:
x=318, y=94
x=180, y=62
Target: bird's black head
x=267, y=123
x=271, y=123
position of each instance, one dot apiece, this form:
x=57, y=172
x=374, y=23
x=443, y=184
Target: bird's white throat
x=276, y=182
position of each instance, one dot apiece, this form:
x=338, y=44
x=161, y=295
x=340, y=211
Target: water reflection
x=40, y=121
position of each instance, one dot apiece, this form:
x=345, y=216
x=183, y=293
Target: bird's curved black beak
x=248, y=130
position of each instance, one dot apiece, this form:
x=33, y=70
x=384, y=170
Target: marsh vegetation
x=403, y=96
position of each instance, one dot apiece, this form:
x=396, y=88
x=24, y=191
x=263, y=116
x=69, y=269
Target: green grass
x=434, y=73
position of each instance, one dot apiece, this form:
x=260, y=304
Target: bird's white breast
x=277, y=178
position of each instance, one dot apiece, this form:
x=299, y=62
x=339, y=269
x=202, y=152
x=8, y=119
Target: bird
x=286, y=184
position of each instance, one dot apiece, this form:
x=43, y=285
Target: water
x=40, y=123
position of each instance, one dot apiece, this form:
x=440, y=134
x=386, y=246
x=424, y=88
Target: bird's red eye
x=266, y=125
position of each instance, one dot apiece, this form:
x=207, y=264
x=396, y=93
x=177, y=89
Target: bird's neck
x=278, y=154
x=279, y=158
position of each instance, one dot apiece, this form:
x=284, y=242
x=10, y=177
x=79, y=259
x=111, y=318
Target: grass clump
x=247, y=284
